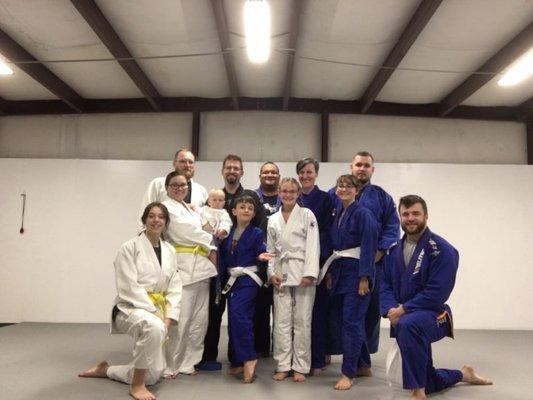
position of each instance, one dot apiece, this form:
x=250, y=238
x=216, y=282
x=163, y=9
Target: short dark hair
x=159, y=205
x=269, y=162
x=349, y=179
x=231, y=157
x=412, y=199
x=244, y=198
x=172, y=175
x=304, y=161
x=364, y=154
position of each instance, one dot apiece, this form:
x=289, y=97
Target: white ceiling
x=459, y=38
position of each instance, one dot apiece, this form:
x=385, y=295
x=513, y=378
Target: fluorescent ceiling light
x=4, y=69
x=257, y=30
x=519, y=71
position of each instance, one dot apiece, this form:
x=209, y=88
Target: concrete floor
x=41, y=361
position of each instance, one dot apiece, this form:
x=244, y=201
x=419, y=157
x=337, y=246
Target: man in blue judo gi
x=417, y=279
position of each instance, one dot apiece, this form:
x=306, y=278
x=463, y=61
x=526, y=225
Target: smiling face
x=362, y=168
x=413, y=219
x=232, y=172
x=346, y=189
x=307, y=177
x=155, y=222
x=244, y=212
x=177, y=188
x=184, y=163
x=289, y=192
x=269, y=177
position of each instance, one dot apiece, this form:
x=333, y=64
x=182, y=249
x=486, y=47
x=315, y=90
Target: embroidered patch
x=419, y=262
x=434, y=247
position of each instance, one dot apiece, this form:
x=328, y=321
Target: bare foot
x=328, y=359
x=297, y=377
x=279, y=376
x=235, y=370
x=364, y=371
x=418, y=394
x=99, y=371
x=344, y=383
x=141, y=393
x=470, y=376
x=249, y=371
x=316, y=371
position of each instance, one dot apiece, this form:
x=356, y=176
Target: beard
x=231, y=179
x=414, y=229
x=269, y=187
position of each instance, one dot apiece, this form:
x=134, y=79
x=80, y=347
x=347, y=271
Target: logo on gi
x=419, y=262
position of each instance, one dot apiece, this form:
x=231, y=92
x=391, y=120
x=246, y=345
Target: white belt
x=292, y=255
x=354, y=252
x=235, y=272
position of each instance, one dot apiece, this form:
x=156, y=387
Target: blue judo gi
x=243, y=294
x=422, y=287
x=383, y=209
x=321, y=205
x=356, y=228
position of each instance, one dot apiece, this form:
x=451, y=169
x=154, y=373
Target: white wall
x=78, y=212
x=263, y=135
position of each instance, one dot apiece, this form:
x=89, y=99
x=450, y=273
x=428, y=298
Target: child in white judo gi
x=215, y=219
x=147, y=304
x=293, y=236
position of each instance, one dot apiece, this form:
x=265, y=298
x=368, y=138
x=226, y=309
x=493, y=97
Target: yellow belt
x=192, y=250
x=160, y=301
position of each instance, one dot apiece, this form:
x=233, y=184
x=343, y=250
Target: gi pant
x=373, y=315
x=292, y=328
x=414, y=333
x=262, y=320
x=319, y=327
x=148, y=333
x=241, y=308
x=353, y=336
x=186, y=346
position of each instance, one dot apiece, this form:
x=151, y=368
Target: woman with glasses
x=349, y=273
x=196, y=259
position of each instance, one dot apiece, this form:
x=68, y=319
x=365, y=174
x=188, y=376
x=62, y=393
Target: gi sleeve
x=188, y=234
x=271, y=248
x=259, y=248
x=386, y=292
x=312, y=246
x=390, y=224
x=128, y=288
x=440, y=282
x=174, y=291
x=225, y=221
x=369, y=241
x=325, y=220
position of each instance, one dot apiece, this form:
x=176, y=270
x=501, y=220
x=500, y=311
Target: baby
x=215, y=219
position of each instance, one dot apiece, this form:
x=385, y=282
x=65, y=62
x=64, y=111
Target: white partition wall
x=78, y=212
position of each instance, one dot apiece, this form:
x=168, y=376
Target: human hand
x=221, y=234
x=307, y=281
x=212, y=256
x=266, y=256
x=364, y=287
x=379, y=255
x=276, y=281
x=395, y=314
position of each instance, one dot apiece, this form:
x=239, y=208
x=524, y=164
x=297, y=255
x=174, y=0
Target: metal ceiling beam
x=504, y=57
x=418, y=22
x=293, y=39
x=16, y=53
x=90, y=11
x=319, y=106
x=529, y=129
x=526, y=110
x=223, y=37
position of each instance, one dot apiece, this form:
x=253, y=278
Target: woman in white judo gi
x=293, y=236
x=147, y=304
x=196, y=258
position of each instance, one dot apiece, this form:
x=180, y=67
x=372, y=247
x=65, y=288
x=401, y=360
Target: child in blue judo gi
x=241, y=256
x=350, y=274
x=418, y=278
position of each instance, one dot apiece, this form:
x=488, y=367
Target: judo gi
x=297, y=248
x=138, y=273
x=192, y=245
x=242, y=288
x=354, y=236
x=321, y=205
x=217, y=219
x=422, y=287
x=381, y=204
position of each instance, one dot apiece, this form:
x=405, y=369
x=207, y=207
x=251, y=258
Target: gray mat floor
x=41, y=361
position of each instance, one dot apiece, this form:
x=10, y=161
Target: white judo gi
x=186, y=233
x=137, y=273
x=297, y=248
x=216, y=218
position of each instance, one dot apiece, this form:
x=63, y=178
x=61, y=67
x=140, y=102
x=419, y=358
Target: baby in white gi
x=215, y=219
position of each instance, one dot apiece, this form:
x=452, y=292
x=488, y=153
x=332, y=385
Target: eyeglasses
x=346, y=187
x=178, y=185
x=288, y=191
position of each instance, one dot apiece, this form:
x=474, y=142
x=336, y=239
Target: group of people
x=329, y=264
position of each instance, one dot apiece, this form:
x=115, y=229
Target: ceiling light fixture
x=519, y=71
x=4, y=68
x=257, y=30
